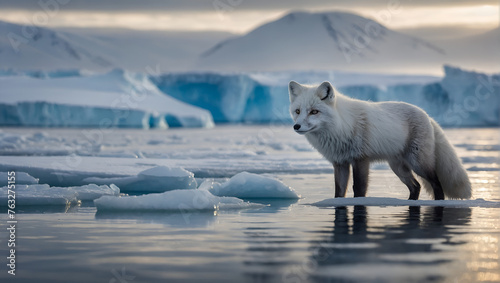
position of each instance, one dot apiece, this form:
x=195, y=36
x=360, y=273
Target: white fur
x=450, y=171
x=346, y=130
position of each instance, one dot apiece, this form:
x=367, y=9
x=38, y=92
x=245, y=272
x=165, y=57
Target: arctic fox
x=350, y=132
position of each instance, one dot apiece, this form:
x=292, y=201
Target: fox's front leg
x=341, y=178
x=360, y=170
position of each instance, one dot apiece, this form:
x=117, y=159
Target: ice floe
x=248, y=185
x=20, y=178
x=177, y=200
x=39, y=195
x=153, y=180
x=43, y=194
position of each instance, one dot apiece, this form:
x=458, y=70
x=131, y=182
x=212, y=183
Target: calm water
x=289, y=241
x=286, y=242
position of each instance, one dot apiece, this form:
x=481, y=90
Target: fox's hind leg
x=406, y=176
x=360, y=171
x=431, y=177
x=423, y=164
x=341, y=179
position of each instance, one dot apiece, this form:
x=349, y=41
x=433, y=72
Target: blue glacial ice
x=460, y=99
x=73, y=98
x=114, y=99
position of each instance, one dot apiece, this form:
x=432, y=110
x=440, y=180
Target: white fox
x=350, y=132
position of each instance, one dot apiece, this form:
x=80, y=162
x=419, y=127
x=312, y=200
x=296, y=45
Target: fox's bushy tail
x=449, y=169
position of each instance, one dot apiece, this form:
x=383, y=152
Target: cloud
x=240, y=16
x=211, y=5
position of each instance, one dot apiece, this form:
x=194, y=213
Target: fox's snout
x=296, y=127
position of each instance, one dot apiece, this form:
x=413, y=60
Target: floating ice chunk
x=154, y=180
x=39, y=195
x=248, y=185
x=164, y=171
x=93, y=191
x=21, y=178
x=377, y=201
x=177, y=200
x=43, y=194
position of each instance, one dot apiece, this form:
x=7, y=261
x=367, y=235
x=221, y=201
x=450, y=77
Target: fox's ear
x=326, y=92
x=294, y=89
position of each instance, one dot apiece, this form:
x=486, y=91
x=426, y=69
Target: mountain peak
x=34, y=47
x=303, y=40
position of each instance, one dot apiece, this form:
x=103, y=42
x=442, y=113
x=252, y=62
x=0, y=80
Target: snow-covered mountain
x=331, y=40
x=39, y=48
x=147, y=51
x=299, y=41
x=29, y=47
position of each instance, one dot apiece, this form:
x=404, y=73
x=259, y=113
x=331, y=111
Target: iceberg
x=115, y=99
x=246, y=185
x=154, y=180
x=474, y=98
x=44, y=74
x=226, y=96
x=72, y=98
x=175, y=201
x=459, y=99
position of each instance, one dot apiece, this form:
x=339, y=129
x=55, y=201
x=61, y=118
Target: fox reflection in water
x=410, y=242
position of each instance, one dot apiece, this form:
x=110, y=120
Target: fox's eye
x=314, y=112
x=297, y=111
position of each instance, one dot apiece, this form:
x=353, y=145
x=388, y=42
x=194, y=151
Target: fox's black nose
x=296, y=127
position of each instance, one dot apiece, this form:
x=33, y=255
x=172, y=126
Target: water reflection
x=413, y=248
x=172, y=219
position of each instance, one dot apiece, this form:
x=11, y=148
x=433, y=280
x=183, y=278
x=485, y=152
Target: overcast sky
x=243, y=15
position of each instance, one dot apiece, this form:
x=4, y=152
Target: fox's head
x=311, y=107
